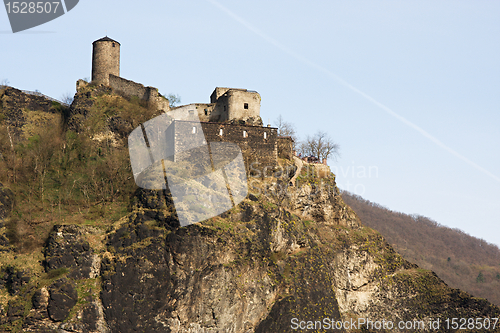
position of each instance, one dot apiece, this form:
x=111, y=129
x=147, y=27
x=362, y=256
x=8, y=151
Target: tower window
x=221, y=132
x=113, y=44
x=194, y=129
x=224, y=108
x=245, y=134
x=245, y=106
x=206, y=112
x=265, y=135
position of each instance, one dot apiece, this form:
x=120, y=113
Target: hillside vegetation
x=462, y=261
x=83, y=250
x=74, y=172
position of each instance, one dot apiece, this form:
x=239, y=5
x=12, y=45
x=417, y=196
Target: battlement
x=258, y=144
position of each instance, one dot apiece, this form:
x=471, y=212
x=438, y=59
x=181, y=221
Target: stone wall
x=130, y=88
x=285, y=147
x=258, y=144
x=322, y=171
x=234, y=104
x=218, y=92
x=243, y=104
x=207, y=112
x=221, y=108
x=189, y=141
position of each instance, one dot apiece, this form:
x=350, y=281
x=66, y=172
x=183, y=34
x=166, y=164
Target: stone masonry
x=105, y=59
x=233, y=114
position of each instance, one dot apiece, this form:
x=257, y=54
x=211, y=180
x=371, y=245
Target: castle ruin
x=233, y=115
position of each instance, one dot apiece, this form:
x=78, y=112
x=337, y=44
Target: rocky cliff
x=288, y=256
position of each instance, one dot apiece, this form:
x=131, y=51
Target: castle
x=233, y=115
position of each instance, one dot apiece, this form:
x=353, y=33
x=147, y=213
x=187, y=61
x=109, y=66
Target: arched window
x=245, y=134
x=221, y=132
x=265, y=135
x=194, y=129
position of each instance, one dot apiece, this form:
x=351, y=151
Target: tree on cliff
x=320, y=145
x=67, y=98
x=174, y=100
x=286, y=129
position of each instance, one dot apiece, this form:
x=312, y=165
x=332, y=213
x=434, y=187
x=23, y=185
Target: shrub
x=55, y=273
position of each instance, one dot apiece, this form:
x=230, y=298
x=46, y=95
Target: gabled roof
x=106, y=39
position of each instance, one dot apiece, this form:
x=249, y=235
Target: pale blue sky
x=408, y=88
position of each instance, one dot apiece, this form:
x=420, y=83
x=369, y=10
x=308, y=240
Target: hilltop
x=462, y=261
x=85, y=250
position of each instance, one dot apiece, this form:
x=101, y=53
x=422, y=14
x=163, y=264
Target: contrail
x=351, y=87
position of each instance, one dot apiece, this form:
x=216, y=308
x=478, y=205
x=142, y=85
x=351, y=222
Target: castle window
x=113, y=44
x=194, y=129
x=245, y=106
x=265, y=135
x=221, y=132
x=245, y=134
x=224, y=108
x=206, y=112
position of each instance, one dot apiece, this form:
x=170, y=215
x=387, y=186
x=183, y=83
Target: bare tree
x=321, y=146
x=286, y=129
x=5, y=82
x=67, y=98
x=174, y=99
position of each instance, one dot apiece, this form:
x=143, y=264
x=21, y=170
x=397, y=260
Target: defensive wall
x=130, y=88
x=233, y=114
x=285, y=147
x=258, y=144
x=206, y=112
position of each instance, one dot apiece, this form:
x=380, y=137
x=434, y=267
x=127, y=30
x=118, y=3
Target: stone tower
x=105, y=59
x=236, y=104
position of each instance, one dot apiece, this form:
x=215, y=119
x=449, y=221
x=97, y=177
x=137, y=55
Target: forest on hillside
x=461, y=260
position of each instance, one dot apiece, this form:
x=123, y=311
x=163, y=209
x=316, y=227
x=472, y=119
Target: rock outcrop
x=253, y=269
x=26, y=115
x=288, y=254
